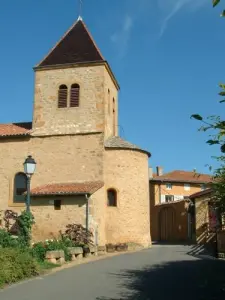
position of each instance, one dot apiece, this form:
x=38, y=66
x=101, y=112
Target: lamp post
x=29, y=169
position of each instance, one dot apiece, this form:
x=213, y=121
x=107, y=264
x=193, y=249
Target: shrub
x=25, y=222
x=78, y=234
x=6, y=240
x=15, y=265
x=39, y=249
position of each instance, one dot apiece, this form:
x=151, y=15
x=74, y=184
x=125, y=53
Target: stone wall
x=92, y=115
x=126, y=171
x=59, y=159
x=48, y=221
x=88, y=117
x=111, y=119
x=201, y=219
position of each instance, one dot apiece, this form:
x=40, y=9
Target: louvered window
x=62, y=96
x=75, y=95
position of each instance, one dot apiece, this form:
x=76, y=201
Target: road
x=163, y=272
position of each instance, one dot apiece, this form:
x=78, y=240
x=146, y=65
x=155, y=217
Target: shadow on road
x=192, y=280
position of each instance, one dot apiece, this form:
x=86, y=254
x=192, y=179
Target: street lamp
x=29, y=169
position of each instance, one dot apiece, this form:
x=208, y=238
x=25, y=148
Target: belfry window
x=62, y=96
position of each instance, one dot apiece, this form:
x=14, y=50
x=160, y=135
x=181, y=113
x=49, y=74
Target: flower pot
x=86, y=250
x=121, y=247
x=110, y=248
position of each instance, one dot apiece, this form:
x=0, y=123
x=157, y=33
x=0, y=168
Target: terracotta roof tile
x=15, y=129
x=183, y=176
x=117, y=142
x=76, y=46
x=67, y=188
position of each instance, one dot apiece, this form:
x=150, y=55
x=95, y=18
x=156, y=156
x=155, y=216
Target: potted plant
x=121, y=247
x=110, y=248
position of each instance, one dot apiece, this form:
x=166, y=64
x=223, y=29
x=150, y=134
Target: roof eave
x=61, y=194
x=15, y=135
x=127, y=148
x=78, y=64
x=180, y=181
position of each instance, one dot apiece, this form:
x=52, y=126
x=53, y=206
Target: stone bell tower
x=75, y=89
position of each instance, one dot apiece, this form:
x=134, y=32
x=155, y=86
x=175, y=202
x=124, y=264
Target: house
x=85, y=172
x=169, y=194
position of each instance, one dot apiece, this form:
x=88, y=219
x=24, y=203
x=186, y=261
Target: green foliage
x=25, y=222
x=39, y=249
x=15, y=265
x=6, y=240
x=215, y=2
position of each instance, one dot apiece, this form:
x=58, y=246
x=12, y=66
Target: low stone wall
x=221, y=244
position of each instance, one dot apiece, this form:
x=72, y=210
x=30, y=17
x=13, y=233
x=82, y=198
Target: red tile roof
x=67, y=188
x=200, y=194
x=15, y=129
x=183, y=176
x=76, y=46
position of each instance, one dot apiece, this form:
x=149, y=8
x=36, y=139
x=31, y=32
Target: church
x=86, y=173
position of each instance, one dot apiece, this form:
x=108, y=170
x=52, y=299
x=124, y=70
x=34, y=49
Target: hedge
x=16, y=265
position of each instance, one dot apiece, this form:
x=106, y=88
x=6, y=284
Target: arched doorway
x=167, y=224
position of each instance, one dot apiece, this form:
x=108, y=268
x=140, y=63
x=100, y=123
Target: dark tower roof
x=76, y=46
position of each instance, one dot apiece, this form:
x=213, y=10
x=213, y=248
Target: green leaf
x=222, y=13
x=222, y=93
x=222, y=86
x=221, y=101
x=197, y=117
x=212, y=142
x=222, y=148
x=215, y=2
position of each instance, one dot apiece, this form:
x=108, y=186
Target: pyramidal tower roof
x=76, y=46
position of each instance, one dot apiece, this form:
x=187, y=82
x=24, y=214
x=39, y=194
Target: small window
x=112, y=197
x=203, y=187
x=57, y=204
x=20, y=187
x=62, y=96
x=109, y=106
x=169, y=198
x=169, y=186
x=187, y=187
x=75, y=95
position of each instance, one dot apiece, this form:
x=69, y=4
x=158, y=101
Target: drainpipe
x=87, y=196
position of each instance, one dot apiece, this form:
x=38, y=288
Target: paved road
x=163, y=272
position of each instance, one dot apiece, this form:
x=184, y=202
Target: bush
x=15, y=265
x=6, y=240
x=78, y=234
x=39, y=249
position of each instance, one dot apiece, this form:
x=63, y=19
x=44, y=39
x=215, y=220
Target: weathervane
x=80, y=9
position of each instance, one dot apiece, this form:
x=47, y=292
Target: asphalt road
x=163, y=272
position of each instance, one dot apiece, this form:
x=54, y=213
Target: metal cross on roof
x=80, y=9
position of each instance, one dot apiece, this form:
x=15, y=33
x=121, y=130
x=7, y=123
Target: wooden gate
x=167, y=224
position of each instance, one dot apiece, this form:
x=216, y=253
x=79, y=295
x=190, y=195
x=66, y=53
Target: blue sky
x=168, y=56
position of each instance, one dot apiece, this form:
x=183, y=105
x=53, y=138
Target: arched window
x=112, y=197
x=62, y=96
x=20, y=187
x=74, y=95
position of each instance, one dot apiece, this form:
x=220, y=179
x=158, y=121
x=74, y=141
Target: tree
x=217, y=125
